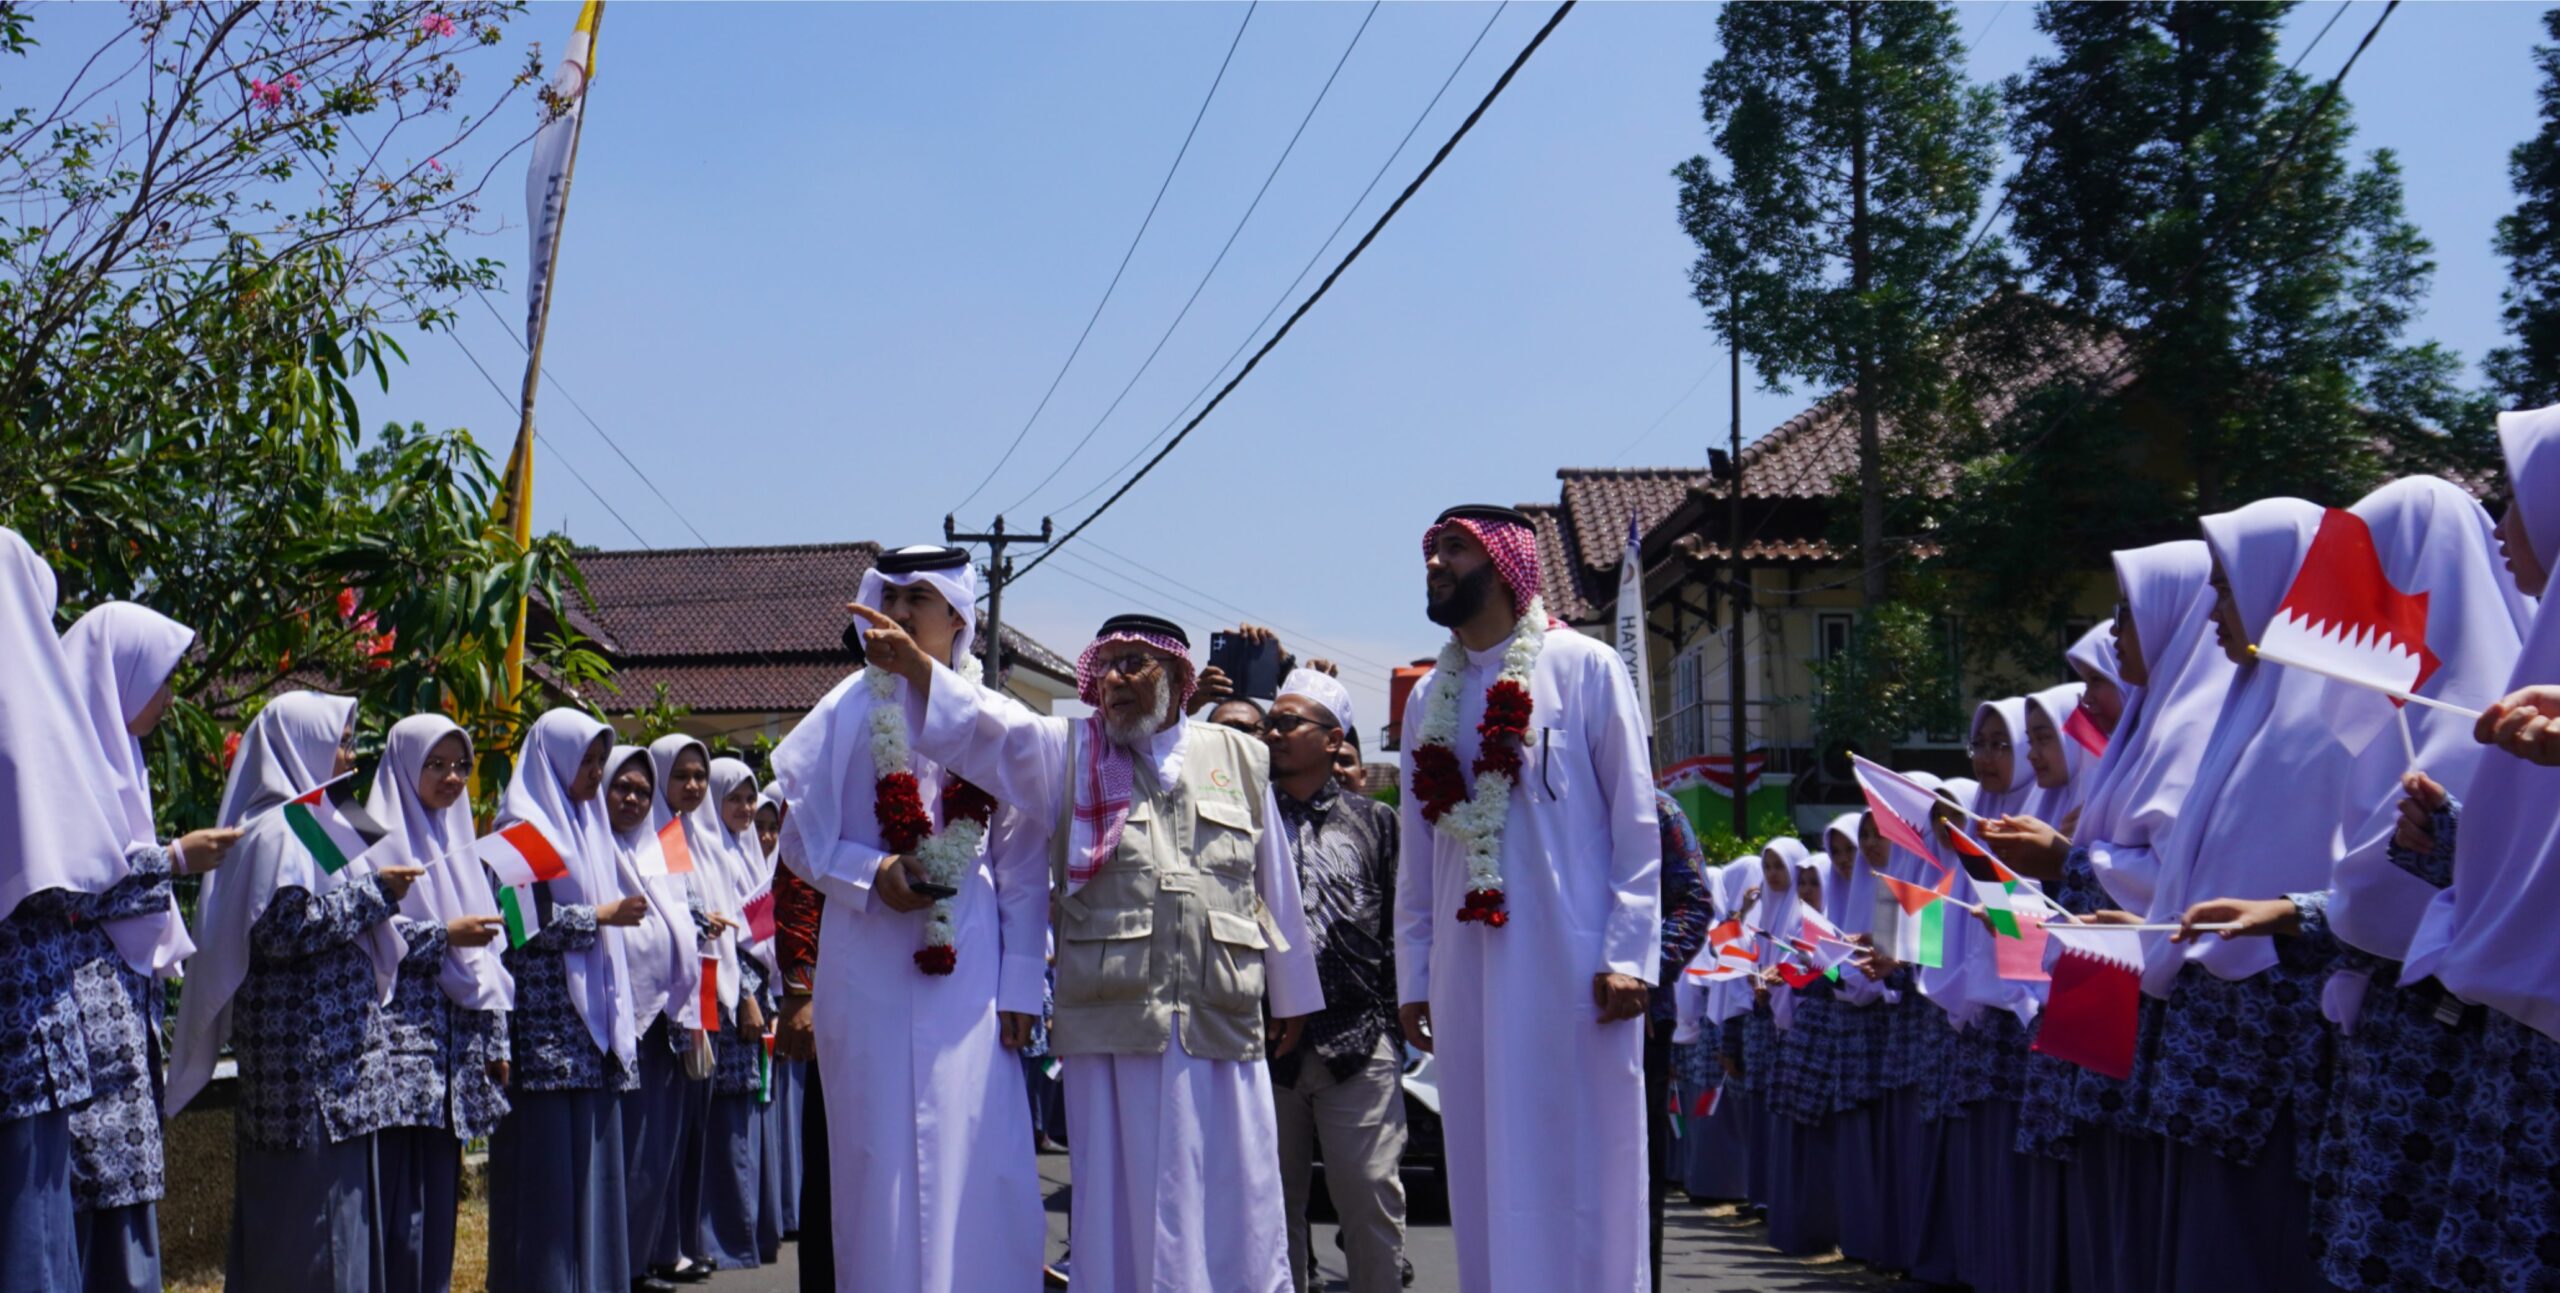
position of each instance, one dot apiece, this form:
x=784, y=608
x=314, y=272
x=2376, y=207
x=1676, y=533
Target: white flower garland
x=1477, y=820
x=948, y=853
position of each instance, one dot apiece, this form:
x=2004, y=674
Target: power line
x=1303, y=270
x=1656, y=425
x=1125, y=256
x=607, y=437
x=1321, y=288
x=565, y=462
x=1221, y=259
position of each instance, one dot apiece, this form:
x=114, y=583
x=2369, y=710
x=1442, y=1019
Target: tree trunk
x=1863, y=342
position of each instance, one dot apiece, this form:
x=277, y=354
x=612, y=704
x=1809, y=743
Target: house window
x=1831, y=633
x=1688, y=700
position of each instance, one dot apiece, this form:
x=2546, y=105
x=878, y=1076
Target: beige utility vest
x=1173, y=925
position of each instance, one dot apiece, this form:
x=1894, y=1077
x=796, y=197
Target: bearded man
x=1527, y=920
x=1176, y=911
x=931, y=956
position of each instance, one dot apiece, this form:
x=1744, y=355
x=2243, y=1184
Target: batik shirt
x=116, y=1156
x=303, y=1019
x=548, y=1042
x=45, y=1065
x=1345, y=850
x=1685, y=910
x=431, y=1053
x=2233, y=1053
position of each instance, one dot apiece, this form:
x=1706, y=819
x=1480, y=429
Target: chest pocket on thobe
x=1549, y=767
x=1231, y=964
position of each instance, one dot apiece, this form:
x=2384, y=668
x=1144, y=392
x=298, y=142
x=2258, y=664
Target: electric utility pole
x=999, y=570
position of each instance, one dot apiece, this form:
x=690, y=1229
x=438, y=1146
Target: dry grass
x=195, y=1218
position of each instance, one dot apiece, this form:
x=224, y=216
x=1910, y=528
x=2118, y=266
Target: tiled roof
x=738, y=629
x=1597, y=500
x=1556, y=576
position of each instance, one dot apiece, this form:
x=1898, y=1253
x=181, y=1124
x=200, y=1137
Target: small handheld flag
x=1903, y=807
x=518, y=910
x=711, y=994
x=2082, y=726
x=1919, y=920
x=2343, y=619
x=2091, y=1012
x=332, y=825
x=759, y=914
x=665, y=853
x=521, y=854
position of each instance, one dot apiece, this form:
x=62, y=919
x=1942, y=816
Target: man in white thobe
x=931, y=1166
x=1528, y=981
x=1177, y=916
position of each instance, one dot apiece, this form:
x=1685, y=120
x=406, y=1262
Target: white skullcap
x=1322, y=688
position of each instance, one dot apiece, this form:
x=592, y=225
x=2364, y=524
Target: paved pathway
x=1704, y=1251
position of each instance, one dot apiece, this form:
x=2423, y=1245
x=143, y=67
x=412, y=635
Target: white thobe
x=929, y=1145
x=1175, y=1159
x=1542, y=1105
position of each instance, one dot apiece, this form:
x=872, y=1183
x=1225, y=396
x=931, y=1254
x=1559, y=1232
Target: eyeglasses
x=1989, y=747
x=1285, y=724
x=439, y=767
x=1129, y=665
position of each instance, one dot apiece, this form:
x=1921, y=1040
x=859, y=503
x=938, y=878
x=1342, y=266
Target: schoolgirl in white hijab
x=559, y=1214
x=2058, y=764
x=61, y=845
x=445, y=1024
x=120, y=657
x=2000, y=739
x=2178, y=678
x=732, y=1204
x=2093, y=657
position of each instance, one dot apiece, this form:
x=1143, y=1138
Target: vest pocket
x=1105, y=957
x=1223, y=837
x=1233, y=978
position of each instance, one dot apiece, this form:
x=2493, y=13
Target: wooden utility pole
x=999, y=570
x=1738, y=595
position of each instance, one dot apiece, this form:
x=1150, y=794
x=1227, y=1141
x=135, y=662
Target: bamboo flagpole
x=554, y=165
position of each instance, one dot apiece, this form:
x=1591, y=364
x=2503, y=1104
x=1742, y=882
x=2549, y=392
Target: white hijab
x=2094, y=655
x=2433, y=539
x=599, y=976
x=2488, y=937
x=119, y=656
x=2056, y=704
x=1970, y=980
x=2267, y=813
x=2009, y=715
x=55, y=828
x=2140, y=785
x=453, y=886
x=750, y=872
x=290, y=748
x=666, y=975
x=704, y=836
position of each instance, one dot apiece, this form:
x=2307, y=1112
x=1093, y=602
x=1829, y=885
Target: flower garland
x=898, y=802
x=1474, y=811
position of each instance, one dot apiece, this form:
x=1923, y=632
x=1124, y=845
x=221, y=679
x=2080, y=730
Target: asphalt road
x=1704, y=1251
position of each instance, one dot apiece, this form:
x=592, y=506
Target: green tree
x=1855, y=155
x=212, y=230
x=2178, y=182
x=2527, y=372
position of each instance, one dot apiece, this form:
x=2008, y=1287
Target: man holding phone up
x=932, y=953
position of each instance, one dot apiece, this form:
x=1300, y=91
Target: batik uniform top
x=304, y=1017
x=2232, y=1053
x=549, y=1045
x=116, y=1153
x=1687, y=903
x=432, y=1053
x=45, y=1065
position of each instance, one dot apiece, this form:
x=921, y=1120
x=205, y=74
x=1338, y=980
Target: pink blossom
x=268, y=95
x=292, y=81
x=435, y=163
x=435, y=24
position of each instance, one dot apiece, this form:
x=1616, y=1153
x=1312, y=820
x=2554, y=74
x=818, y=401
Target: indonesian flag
x=522, y=915
x=331, y=825
x=521, y=855
x=1902, y=806
x=711, y=994
x=2090, y=1013
x=1917, y=922
x=1734, y=956
x=2343, y=617
x=2082, y=726
x=666, y=853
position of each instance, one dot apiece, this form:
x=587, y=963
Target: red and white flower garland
x=1473, y=809
x=905, y=827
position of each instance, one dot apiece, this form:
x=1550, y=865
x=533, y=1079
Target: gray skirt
x=120, y=1249
x=732, y=1182
x=307, y=1219
x=37, y=1230
x=657, y=1116
x=558, y=1222
x=420, y=1171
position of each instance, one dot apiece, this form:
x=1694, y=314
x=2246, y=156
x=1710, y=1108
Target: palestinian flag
x=764, y=1072
x=523, y=919
x=711, y=994
x=1918, y=920
x=521, y=854
x=332, y=825
x=1703, y=1104
x=667, y=853
x=2005, y=896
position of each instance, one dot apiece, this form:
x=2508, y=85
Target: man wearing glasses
x=1176, y=910
x=1340, y=1086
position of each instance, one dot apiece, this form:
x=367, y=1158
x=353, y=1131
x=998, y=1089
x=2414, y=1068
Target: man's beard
x=1463, y=601
x=1134, y=733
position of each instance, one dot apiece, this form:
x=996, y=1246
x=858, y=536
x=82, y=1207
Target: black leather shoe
x=651, y=1284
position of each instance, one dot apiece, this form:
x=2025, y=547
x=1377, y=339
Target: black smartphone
x=1253, y=667
x=928, y=889
x=853, y=642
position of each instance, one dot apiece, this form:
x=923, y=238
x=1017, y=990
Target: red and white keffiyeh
x=1105, y=770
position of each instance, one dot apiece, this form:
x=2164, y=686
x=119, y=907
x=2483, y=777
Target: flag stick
x=2366, y=683
x=2218, y=928
x=2408, y=743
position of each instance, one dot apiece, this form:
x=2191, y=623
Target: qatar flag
x=2091, y=1011
x=2343, y=619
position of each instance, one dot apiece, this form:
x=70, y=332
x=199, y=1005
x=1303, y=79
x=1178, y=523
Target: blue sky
x=822, y=260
